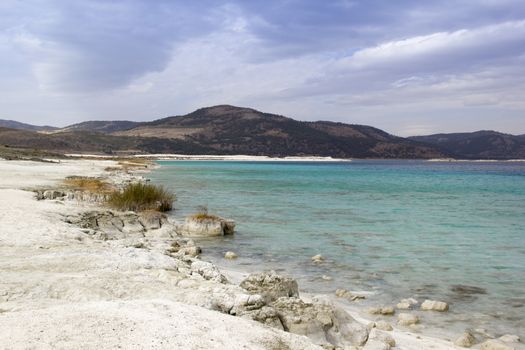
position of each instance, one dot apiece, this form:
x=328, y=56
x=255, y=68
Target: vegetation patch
x=88, y=184
x=203, y=215
x=140, y=197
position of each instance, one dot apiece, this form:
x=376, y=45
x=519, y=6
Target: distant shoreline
x=249, y=158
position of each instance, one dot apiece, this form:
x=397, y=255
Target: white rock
x=510, y=338
x=494, y=344
x=230, y=255
x=213, y=226
x=318, y=258
x=383, y=326
x=374, y=344
x=466, y=340
x=406, y=304
x=407, y=319
x=433, y=305
x=387, y=310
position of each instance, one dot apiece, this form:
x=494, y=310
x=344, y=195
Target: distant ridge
x=230, y=130
x=484, y=144
x=23, y=126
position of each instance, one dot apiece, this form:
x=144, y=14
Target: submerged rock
x=406, y=304
x=271, y=285
x=206, y=227
x=230, y=255
x=465, y=340
x=386, y=310
x=407, y=319
x=318, y=258
x=433, y=305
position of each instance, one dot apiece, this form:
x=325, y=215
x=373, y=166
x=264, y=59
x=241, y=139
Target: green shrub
x=140, y=197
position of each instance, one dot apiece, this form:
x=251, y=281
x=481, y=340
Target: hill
x=23, y=126
x=478, y=145
x=234, y=130
x=102, y=126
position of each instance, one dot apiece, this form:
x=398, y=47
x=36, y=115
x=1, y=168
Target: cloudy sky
x=407, y=66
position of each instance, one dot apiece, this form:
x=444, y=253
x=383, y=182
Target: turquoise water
x=396, y=228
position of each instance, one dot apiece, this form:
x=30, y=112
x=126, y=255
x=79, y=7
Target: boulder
x=206, y=227
x=465, y=340
x=386, y=310
x=270, y=285
x=374, y=344
x=321, y=322
x=183, y=247
x=407, y=319
x=493, y=344
x=383, y=337
x=432, y=305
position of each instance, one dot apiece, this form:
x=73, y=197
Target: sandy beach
x=62, y=286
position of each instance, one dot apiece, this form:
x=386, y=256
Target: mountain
x=483, y=144
x=102, y=126
x=22, y=126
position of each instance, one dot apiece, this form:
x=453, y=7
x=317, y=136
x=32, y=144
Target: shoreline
x=105, y=284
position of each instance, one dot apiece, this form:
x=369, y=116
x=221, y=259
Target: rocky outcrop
x=271, y=286
x=206, y=227
x=111, y=225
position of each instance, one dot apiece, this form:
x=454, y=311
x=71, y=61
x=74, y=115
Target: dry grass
x=141, y=197
x=204, y=216
x=88, y=184
x=134, y=163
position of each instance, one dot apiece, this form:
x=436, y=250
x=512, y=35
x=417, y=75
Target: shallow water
x=398, y=228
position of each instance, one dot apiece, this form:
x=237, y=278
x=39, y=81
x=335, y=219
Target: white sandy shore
x=59, y=288
x=239, y=158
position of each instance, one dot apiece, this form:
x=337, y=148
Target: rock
x=230, y=255
x=407, y=319
x=183, y=248
x=320, y=322
x=270, y=285
x=265, y=315
x=152, y=220
x=343, y=293
x=208, y=227
x=465, y=340
x=432, y=305
x=207, y=270
x=406, y=304
x=51, y=194
x=383, y=326
x=493, y=344
x=386, y=310
x=318, y=258
x=386, y=338
x=509, y=338
x=374, y=344
x=326, y=278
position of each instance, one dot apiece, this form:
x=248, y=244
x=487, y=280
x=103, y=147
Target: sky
x=409, y=67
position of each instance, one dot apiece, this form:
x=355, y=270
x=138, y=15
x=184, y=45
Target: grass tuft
x=141, y=197
x=204, y=216
x=89, y=184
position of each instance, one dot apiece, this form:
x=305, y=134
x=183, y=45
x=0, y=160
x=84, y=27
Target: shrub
x=202, y=214
x=89, y=184
x=140, y=197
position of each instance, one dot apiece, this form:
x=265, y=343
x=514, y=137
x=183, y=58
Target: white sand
x=59, y=289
